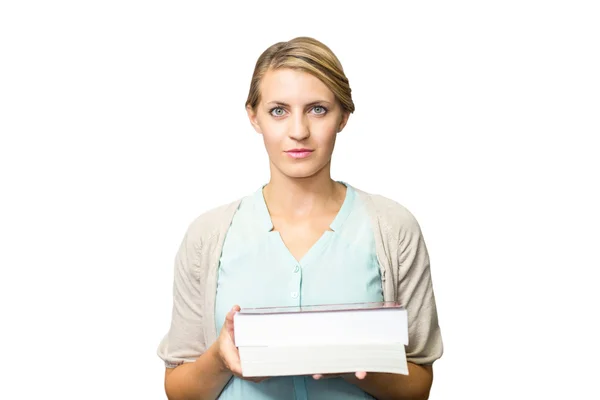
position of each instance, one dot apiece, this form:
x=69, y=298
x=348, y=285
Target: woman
x=301, y=239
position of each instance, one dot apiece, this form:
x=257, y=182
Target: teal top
x=256, y=269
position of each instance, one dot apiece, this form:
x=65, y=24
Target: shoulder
x=389, y=213
x=212, y=222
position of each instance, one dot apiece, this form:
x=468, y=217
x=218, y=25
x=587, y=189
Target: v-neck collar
x=266, y=223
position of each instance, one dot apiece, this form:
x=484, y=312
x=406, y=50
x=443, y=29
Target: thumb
x=231, y=313
x=361, y=375
x=229, y=318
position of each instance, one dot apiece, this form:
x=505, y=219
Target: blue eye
x=319, y=110
x=279, y=112
x=277, y=109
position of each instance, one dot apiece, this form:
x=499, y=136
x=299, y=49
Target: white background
x=121, y=121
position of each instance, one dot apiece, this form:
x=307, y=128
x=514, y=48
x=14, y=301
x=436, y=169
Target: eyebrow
x=281, y=103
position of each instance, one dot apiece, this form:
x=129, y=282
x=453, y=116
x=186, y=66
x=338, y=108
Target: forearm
x=203, y=379
x=414, y=386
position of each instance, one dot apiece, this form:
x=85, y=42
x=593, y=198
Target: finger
x=235, y=365
x=317, y=376
x=229, y=319
x=236, y=369
x=258, y=379
x=361, y=375
x=231, y=312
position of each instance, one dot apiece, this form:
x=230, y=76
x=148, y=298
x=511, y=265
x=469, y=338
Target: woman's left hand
x=359, y=375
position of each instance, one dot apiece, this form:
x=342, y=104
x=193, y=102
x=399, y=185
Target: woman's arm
x=195, y=369
x=414, y=386
x=204, y=378
x=415, y=291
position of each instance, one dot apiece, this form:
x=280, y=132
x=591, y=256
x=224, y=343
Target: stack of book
x=322, y=339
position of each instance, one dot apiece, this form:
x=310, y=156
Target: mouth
x=299, y=153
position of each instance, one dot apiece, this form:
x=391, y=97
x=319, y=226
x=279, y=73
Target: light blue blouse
x=257, y=270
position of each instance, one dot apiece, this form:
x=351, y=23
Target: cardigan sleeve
x=184, y=341
x=415, y=292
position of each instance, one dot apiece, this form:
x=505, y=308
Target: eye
x=277, y=112
x=320, y=110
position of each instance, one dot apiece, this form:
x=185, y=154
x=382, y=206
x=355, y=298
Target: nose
x=299, y=129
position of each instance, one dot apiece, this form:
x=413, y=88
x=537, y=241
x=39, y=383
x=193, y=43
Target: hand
x=227, y=351
x=358, y=375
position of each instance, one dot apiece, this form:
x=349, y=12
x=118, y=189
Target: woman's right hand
x=227, y=351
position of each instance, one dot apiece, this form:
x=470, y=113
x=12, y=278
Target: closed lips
x=299, y=153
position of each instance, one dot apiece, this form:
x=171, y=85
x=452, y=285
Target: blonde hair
x=305, y=54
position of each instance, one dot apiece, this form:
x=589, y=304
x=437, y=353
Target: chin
x=300, y=171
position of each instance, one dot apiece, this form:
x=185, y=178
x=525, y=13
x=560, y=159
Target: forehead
x=293, y=86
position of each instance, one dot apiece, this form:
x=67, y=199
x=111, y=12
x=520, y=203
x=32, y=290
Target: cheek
x=272, y=139
x=269, y=141
x=325, y=134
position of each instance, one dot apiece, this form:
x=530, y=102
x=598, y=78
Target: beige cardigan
x=403, y=261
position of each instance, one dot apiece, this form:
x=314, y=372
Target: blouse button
x=296, y=269
x=294, y=295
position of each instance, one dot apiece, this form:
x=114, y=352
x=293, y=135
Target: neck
x=299, y=197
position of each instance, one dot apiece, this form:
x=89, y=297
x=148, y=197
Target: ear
x=344, y=121
x=253, y=119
